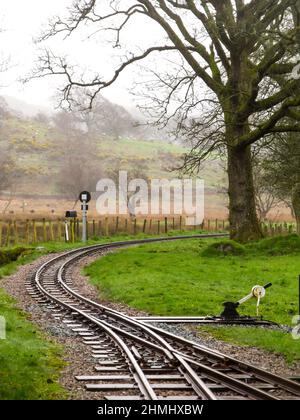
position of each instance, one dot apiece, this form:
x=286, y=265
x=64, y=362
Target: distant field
x=54, y=207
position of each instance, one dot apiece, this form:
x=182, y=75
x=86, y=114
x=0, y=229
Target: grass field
x=176, y=279
x=29, y=363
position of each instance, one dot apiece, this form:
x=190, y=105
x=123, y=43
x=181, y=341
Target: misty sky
x=22, y=21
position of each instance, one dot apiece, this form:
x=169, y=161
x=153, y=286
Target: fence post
x=166, y=225
x=0, y=234
x=73, y=231
x=16, y=236
x=180, y=223
x=117, y=225
x=106, y=227
x=144, y=225
x=34, y=232
x=8, y=233
x=27, y=231
x=59, y=230
x=51, y=230
x=158, y=227
x=150, y=226
x=44, y=230
x=134, y=227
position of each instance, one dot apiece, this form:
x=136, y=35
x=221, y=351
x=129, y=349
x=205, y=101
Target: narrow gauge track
x=135, y=360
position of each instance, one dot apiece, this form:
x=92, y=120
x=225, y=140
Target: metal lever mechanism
x=230, y=308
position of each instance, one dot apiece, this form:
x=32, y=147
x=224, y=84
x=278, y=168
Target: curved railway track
x=134, y=360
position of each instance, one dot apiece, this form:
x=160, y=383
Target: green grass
x=274, y=341
x=176, y=279
x=29, y=363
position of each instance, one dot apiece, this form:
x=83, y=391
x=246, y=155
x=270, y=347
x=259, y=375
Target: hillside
x=35, y=149
x=37, y=154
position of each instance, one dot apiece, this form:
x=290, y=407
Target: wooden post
x=16, y=236
x=34, y=231
x=106, y=227
x=94, y=228
x=150, y=226
x=166, y=225
x=8, y=229
x=126, y=225
x=51, y=231
x=173, y=223
x=72, y=227
x=59, y=230
x=217, y=224
x=117, y=225
x=144, y=226
x=180, y=223
x=78, y=229
x=158, y=227
x=134, y=227
x=44, y=230
x=0, y=234
x=27, y=229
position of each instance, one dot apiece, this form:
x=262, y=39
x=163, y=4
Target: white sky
x=23, y=20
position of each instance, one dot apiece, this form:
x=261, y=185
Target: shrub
x=278, y=245
x=223, y=248
x=9, y=255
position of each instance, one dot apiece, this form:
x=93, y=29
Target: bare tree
x=281, y=166
x=135, y=170
x=242, y=52
x=79, y=169
x=265, y=193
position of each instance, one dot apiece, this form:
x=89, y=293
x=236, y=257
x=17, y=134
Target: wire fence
x=34, y=231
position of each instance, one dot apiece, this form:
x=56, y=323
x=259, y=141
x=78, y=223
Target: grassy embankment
x=192, y=278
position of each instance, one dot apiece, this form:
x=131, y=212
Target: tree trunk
x=244, y=225
x=296, y=205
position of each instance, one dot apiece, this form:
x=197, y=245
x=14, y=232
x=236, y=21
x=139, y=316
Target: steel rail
x=142, y=381
x=285, y=383
x=122, y=317
x=199, y=386
x=232, y=383
x=156, y=333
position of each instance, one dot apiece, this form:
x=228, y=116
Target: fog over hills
x=26, y=109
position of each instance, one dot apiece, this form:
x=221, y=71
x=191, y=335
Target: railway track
x=135, y=360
